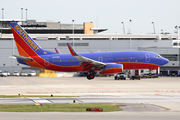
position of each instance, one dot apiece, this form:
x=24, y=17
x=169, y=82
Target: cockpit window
x=157, y=56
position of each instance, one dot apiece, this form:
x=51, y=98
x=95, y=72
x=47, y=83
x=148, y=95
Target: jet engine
x=112, y=69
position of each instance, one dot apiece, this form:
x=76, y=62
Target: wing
x=85, y=59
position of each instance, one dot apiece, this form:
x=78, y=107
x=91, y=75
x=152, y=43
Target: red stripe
x=136, y=65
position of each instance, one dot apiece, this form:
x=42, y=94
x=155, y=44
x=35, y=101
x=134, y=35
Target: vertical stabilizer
x=25, y=44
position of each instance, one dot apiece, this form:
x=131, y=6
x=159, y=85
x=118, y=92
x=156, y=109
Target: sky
x=103, y=13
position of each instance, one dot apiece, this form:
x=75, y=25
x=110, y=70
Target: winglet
x=57, y=51
x=73, y=53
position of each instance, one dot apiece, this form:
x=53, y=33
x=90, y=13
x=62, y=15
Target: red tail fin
x=25, y=44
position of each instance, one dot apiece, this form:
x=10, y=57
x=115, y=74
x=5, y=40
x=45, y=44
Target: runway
x=88, y=100
x=145, y=99
x=91, y=116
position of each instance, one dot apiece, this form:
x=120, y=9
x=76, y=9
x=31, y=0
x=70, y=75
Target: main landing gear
x=91, y=75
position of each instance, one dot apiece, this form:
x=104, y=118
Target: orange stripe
x=21, y=51
x=33, y=63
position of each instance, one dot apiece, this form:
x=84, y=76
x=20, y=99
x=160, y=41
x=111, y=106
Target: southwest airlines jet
x=30, y=53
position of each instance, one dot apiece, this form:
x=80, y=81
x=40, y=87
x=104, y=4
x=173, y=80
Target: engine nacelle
x=112, y=69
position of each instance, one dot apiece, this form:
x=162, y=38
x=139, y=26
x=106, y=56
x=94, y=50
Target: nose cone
x=165, y=61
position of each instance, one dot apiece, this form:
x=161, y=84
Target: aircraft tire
x=91, y=76
x=88, y=77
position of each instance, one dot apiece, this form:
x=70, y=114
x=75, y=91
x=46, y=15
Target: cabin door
x=100, y=59
x=147, y=57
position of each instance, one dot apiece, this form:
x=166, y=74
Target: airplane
x=31, y=54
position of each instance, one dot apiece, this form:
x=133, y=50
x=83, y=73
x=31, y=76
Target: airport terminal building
x=84, y=38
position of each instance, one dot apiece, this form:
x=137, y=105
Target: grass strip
x=17, y=96
x=58, y=108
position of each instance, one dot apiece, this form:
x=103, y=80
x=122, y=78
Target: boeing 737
x=30, y=53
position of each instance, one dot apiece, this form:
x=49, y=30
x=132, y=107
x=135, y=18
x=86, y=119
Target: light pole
x=26, y=15
x=154, y=28
x=123, y=27
x=2, y=13
x=73, y=33
x=130, y=35
x=59, y=24
x=22, y=15
x=1, y=20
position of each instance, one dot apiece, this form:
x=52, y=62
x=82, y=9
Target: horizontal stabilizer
x=12, y=57
x=23, y=58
